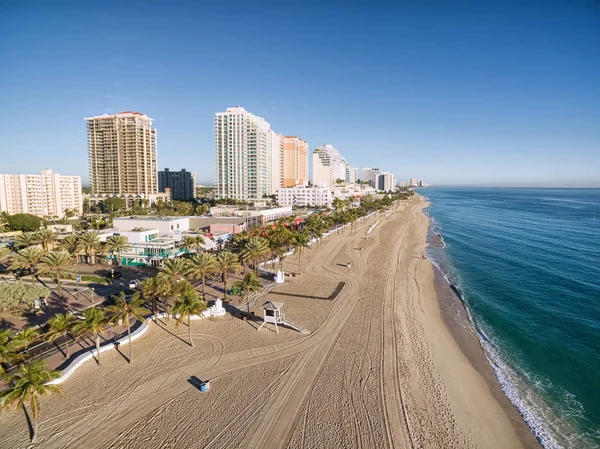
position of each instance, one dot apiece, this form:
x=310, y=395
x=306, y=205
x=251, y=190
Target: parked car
x=133, y=284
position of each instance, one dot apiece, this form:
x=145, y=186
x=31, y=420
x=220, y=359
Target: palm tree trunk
x=58, y=282
x=248, y=304
x=299, y=262
x=34, y=434
x=92, y=258
x=98, y=348
x=225, y=287
x=203, y=293
x=190, y=330
x=67, y=345
x=129, y=336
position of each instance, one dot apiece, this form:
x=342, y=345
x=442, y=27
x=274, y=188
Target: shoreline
x=455, y=318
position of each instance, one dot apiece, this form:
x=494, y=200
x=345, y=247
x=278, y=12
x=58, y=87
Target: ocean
x=526, y=264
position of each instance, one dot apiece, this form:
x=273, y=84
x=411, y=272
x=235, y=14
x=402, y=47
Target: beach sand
x=383, y=366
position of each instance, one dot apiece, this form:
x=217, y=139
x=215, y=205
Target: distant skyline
x=453, y=93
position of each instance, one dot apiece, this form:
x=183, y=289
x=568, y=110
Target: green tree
x=256, y=250
x=227, y=263
x=93, y=324
x=192, y=243
x=300, y=243
x=113, y=204
x=248, y=285
x=10, y=344
x=46, y=237
x=199, y=266
x=116, y=245
x=122, y=312
x=31, y=382
x=173, y=269
x=28, y=259
x=24, y=240
x=60, y=325
x=70, y=244
x=155, y=288
x=24, y=222
x=89, y=244
x=57, y=263
x=189, y=304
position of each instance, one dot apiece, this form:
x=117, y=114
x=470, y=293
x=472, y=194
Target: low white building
x=252, y=217
x=304, y=196
x=166, y=226
x=354, y=191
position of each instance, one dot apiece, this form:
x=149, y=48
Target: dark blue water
x=527, y=263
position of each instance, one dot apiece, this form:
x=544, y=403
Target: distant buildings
x=123, y=157
x=370, y=175
x=46, y=195
x=386, y=182
x=413, y=182
x=182, y=183
x=303, y=196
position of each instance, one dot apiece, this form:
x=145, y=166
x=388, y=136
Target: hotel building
x=123, y=157
x=328, y=166
x=303, y=196
x=386, y=182
x=46, y=195
x=295, y=162
x=182, y=184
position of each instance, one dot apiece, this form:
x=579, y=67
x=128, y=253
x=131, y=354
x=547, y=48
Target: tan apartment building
x=295, y=161
x=45, y=195
x=122, y=156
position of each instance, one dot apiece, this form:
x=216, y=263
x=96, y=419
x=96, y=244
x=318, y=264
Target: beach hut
x=272, y=314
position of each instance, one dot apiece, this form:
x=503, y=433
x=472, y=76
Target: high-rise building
x=329, y=166
x=46, y=195
x=295, y=161
x=386, y=182
x=122, y=154
x=370, y=175
x=277, y=162
x=413, y=182
x=351, y=174
x=182, y=183
x=246, y=152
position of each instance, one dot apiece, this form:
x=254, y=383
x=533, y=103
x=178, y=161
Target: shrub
x=11, y=295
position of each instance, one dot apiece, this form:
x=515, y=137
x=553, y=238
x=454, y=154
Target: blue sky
x=451, y=92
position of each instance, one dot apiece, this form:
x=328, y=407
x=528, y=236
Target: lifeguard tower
x=272, y=314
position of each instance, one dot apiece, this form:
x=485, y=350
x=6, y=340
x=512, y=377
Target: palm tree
x=249, y=284
x=70, y=244
x=28, y=259
x=338, y=204
x=10, y=343
x=189, y=304
x=122, y=311
x=173, y=269
x=89, y=244
x=199, y=266
x=192, y=242
x=93, y=324
x=299, y=243
x=25, y=240
x=227, y=262
x=117, y=244
x=60, y=326
x=157, y=288
x=45, y=237
x=57, y=263
x=28, y=385
x=255, y=250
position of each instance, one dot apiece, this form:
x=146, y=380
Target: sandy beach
x=381, y=366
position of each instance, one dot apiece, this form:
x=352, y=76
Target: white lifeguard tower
x=272, y=314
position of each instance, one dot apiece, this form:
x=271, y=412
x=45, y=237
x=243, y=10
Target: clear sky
x=451, y=92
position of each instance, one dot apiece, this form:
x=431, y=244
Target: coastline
x=456, y=320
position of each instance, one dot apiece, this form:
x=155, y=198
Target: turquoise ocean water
x=526, y=263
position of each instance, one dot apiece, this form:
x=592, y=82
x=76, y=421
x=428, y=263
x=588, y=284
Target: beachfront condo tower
x=329, y=166
x=45, y=195
x=123, y=157
x=182, y=184
x=370, y=175
x=249, y=160
x=386, y=182
x=295, y=161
